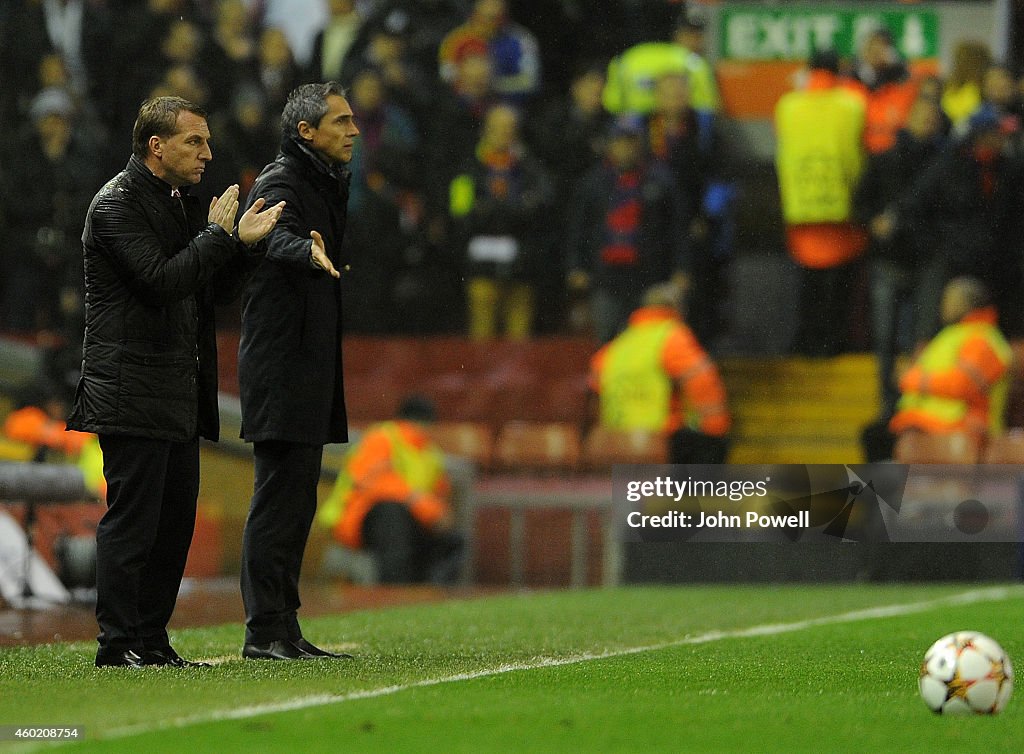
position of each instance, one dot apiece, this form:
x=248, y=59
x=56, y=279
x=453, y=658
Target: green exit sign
x=763, y=34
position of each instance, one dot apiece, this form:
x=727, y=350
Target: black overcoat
x=289, y=355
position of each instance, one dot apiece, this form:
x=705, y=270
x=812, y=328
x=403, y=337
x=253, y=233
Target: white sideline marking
x=992, y=594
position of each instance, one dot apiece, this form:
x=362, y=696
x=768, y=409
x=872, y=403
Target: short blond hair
x=664, y=294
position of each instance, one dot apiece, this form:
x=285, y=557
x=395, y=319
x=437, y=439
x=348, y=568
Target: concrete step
x=850, y=364
x=798, y=410
x=759, y=411
x=784, y=451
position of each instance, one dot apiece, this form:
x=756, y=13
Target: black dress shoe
x=282, y=649
x=125, y=659
x=168, y=656
x=314, y=650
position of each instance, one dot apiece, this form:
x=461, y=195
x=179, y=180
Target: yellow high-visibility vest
x=90, y=461
x=420, y=468
x=629, y=87
x=941, y=354
x=635, y=391
x=819, y=156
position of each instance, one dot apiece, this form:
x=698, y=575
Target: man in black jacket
x=903, y=274
x=156, y=262
x=626, y=230
x=964, y=208
x=289, y=361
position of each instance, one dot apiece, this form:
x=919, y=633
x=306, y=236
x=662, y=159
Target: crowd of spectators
x=512, y=178
x=423, y=76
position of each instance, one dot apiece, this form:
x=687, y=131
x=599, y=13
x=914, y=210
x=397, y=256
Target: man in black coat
x=289, y=361
x=156, y=262
x=904, y=277
x=964, y=208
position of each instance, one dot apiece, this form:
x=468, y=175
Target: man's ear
x=305, y=131
x=156, y=147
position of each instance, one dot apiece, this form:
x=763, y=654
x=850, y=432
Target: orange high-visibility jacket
x=393, y=461
x=959, y=382
x=33, y=426
x=886, y=111
x=819, y=159
x=675, y=385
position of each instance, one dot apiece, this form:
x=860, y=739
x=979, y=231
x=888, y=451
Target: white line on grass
x=992, y=594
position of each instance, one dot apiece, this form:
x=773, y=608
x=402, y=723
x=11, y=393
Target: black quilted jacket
x=154, y=269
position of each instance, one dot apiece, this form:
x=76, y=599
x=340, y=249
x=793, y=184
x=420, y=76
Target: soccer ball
x=966, y=673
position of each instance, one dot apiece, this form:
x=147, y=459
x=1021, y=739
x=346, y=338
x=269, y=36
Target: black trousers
x=142, y=540
x=686, y=445
x=408, y=553
x=274, y=540
x=877, y=441
x=823, y=327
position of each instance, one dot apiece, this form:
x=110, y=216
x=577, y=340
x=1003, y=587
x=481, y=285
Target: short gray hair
x=308, y=102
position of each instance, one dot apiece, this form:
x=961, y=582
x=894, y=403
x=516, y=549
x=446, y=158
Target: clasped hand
x=254, y=225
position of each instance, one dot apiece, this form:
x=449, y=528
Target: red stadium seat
x=605, y=447
x=1007, y=448
x=953, y=448
x=1015, y=398
x=552, y=447
x=471, y=440
x=371, y=399
x=562, y=399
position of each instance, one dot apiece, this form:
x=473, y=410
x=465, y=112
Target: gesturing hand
x=255, y=225
x=318, y=255
x=224, y=208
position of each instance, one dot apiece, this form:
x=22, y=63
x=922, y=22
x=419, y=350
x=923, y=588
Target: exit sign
x=776, y=34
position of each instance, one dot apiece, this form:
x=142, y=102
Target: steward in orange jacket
x=881, y=76
x=46, y=433
x=819, y=158
x=959, y=382
x=888, y=108
x=391, y=498
x=655, y=376
x=34, y=426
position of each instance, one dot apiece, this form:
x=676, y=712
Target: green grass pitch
x=653, y=669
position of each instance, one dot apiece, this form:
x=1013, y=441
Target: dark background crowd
x=74, y=72
x=441, y=107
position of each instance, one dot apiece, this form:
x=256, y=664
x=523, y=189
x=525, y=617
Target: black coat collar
x=311, y=162
x=141, y=171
